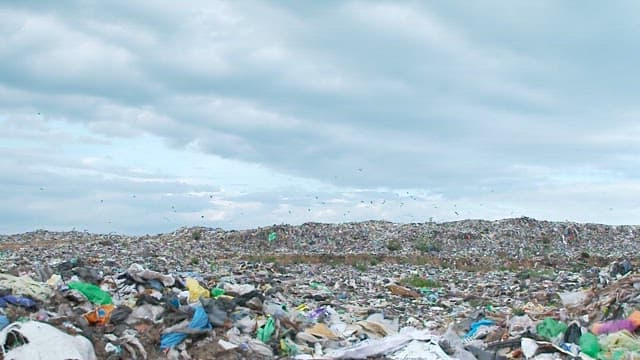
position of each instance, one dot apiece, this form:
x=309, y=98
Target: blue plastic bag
x=476, y=325
x=17, y=300
x=4, y=321
x=199, y=321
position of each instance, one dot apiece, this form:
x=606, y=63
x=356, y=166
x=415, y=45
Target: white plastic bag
x=35, y=340
x=575, y=298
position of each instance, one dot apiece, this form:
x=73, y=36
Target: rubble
x=515, y=288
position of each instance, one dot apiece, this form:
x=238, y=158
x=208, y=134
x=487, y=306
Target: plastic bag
x=575, y=298
x=4, y=321
x=519, y=324
x=475, y=326
x=120, y=314
x=550, y=328
x=100, y=315
x=195, y=290
x=589, y=344
x=453, y=341
x=141, y=275
x=216, y=292
x=612, y=326
x=92, y=292
x=215, y=311
x=265, y=331
x=199, y=321
x=573, y=333
x=18, y=301
x=38, y=340
x=145, y=312
x=237, y=290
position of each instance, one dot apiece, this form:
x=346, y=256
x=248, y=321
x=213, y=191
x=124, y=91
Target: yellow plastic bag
x=195, y=290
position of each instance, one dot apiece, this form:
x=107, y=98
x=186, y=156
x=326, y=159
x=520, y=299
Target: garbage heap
x=72, y=310
x=490, y=242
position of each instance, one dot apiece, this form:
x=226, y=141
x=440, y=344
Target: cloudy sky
x=141, y=117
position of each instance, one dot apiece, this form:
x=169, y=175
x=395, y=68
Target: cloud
x=328, y=100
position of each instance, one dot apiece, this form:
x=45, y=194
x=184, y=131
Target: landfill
x=507, y=289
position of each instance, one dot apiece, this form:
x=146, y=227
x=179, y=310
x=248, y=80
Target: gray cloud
x=452, y=98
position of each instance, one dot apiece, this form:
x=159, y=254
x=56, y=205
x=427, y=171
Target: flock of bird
x=317, y=203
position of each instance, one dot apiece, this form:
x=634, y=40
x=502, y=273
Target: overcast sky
x=141, y=117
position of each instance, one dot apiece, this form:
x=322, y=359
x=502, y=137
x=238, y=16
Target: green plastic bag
x=589, y=344
x=272, y=236
x=265, y=332
x=550, y=328
x=92, y=292
x=216, y=292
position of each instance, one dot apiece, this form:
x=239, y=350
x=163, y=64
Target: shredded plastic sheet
x=622, y=341
x=26, y=286
x=386, y=345
x=427, y=350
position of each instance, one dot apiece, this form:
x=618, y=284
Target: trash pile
x=109, y=298
x=518, y=238
x=261, y=311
